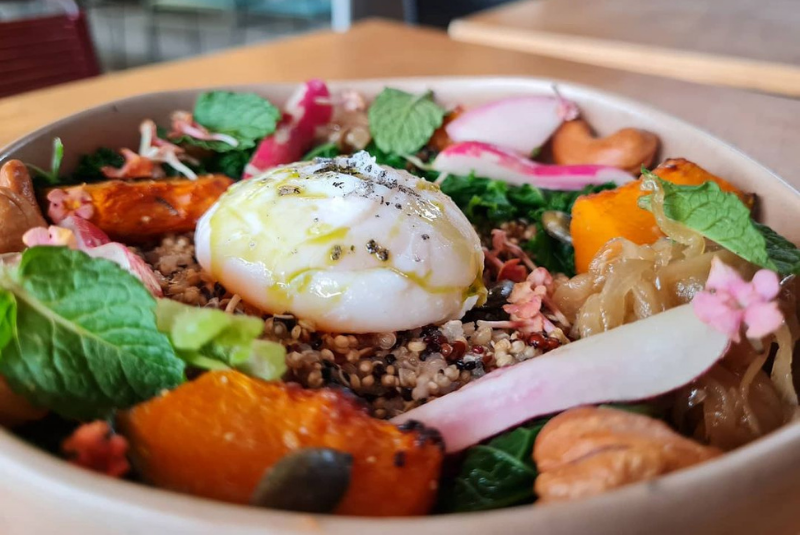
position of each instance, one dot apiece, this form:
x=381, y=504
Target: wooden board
x=764, y=126
x=753, y=44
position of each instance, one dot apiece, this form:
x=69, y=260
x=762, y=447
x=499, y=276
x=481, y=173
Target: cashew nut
x=629, y=148
x=18, y=209
x=14, y=175
x=588, y=450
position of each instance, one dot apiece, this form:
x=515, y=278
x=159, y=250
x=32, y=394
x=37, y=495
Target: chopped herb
x=42, y=177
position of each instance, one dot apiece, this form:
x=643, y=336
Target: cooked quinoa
x=392, y=372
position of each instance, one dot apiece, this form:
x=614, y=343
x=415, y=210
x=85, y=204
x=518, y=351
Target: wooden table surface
x=742, y=43
x=763, y=126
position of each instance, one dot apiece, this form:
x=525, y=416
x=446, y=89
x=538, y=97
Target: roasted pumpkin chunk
x=610, y=214
x=136, y=211
x=217, y=436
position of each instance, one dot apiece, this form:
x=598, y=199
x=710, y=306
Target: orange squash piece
x=216, y=436
x=610, y=214
x=137, y=211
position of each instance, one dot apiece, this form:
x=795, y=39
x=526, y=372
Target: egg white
x=344, y=242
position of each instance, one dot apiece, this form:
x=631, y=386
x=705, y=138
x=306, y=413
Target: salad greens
x=80, y=335
x=90, y=165
x=245, y=116
x=213, y=340
x=45, y=178
x=490, y=202
x=326, y=150
x=402, y=123
x=723, y=218
x=498, y=474
x=231, y=163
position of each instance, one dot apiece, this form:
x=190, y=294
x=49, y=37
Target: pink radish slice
x=489, y=161
x=519, y=123
x=96, y=243
x=637, y=361
x=119, y=254
x=306, y=110
x=87, y=234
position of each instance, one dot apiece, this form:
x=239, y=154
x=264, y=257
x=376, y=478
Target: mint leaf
x=784, y=254
x=402, y=123
x=245, y=116
x=8, y=318
x=86, y=340
x=214, y=340
x=496, y=475
x=715, y=214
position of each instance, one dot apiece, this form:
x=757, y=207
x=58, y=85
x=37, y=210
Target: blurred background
x=71, y=39
x=753, y=44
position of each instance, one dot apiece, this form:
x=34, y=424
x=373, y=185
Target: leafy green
x=50, y=177
x=245, y=116
x=785, y=255
x=213, y=340
x=8, y=318
x=401, y=123
x=496, y=475
x=86, y=340
x=326, y=150
x=90, y=165
x=231, y=163
x=719, y=216
x=489, y=202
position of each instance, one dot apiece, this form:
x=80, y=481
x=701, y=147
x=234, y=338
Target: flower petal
x=766, y=284
x=762, y=319
x=716, y=311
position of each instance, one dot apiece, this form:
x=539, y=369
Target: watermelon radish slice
x=489, y=161
x=522, y=124
x=307, y=109
x=634, y=362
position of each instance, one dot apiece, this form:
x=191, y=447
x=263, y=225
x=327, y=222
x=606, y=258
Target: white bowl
x=751, y=490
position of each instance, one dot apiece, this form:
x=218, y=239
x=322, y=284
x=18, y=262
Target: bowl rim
x=49, y=474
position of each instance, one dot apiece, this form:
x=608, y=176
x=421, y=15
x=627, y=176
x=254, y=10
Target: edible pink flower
x=729, y=302
x=54, y=235
x=96, y=447
x=67, y=202
x=183, y=124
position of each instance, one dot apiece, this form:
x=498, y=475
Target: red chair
x=44, y=51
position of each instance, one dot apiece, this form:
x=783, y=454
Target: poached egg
x=349, y=244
